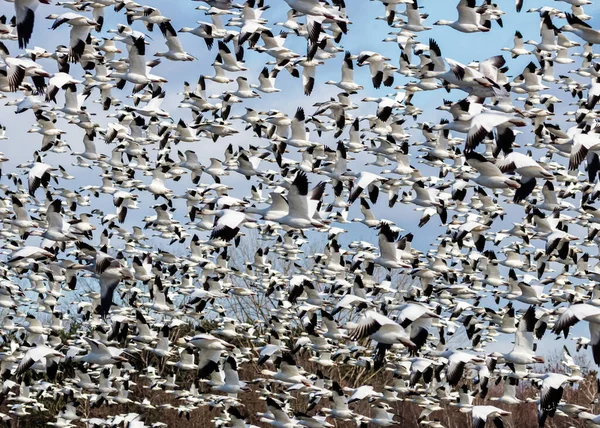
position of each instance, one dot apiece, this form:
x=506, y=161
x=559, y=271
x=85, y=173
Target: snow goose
x=289, y=373
x=530, y=81
x=581, y=312
x=309, y=69
x=475, y=228
x=523, y=292
x=362, y=392
x=149, y=15
x=369, y=218
x=376, y=63
x=385, y=107
x=59, y=81
x=482, y=413
x=152, y=107
x=157, y=186
x=274, y=47
x=582, y=145
x=416, y=318
x=527, y=168
x=468, y=79
x=302, y=205
x=267, y=81
x=551, y=391
x=340, y=409
x=381, y=415
x=251, y=24
x=80, y=29
x=553, y=231
x=415, y=20
x=551, y=201
x=100, y=354
x=523, y=352
x=577, y=2
x=347, y=83
x=206, y=31
x=581, y=28
x=56, y=226
x=276, y=416
x=136, y=72
x=21, y=219
x=382, y=330
x=457, y=360
x=189, y=160
x=228, y=225
x=232, y=384
x=468, y=18
x=509, y=391
x=490, y=175
x=28, y=254
x=277, y=209
x=244, y=90
x=389, y=253
x=109, y=270
x=40, y=353
x=227, y=60
x=429, y=197
x=548, y=31
x=219, y=76
x=365, y=180
x=18, y=68
x=175, y=52
x=39, y=175
x=316, y=14
x=25, y=13
x=484, y=123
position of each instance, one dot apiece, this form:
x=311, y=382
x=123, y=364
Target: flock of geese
x=141, y=265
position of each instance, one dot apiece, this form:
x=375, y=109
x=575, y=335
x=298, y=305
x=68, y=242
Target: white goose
x=469, y=21
x=382, y=330
x=490, y=175
x=582, y=312
x=25, y=13
x=100, y=354
x=302, y=205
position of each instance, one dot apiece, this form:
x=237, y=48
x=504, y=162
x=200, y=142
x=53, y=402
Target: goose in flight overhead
x=302, y=204
x=25, y=19
x=382, y=330
x=109, y=271
x=469, y=20
x=581, y=312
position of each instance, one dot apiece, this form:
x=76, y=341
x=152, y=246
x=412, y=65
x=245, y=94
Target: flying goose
x=302, y=204
x=382, y=330
x=581, y=312
x=469, y=20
